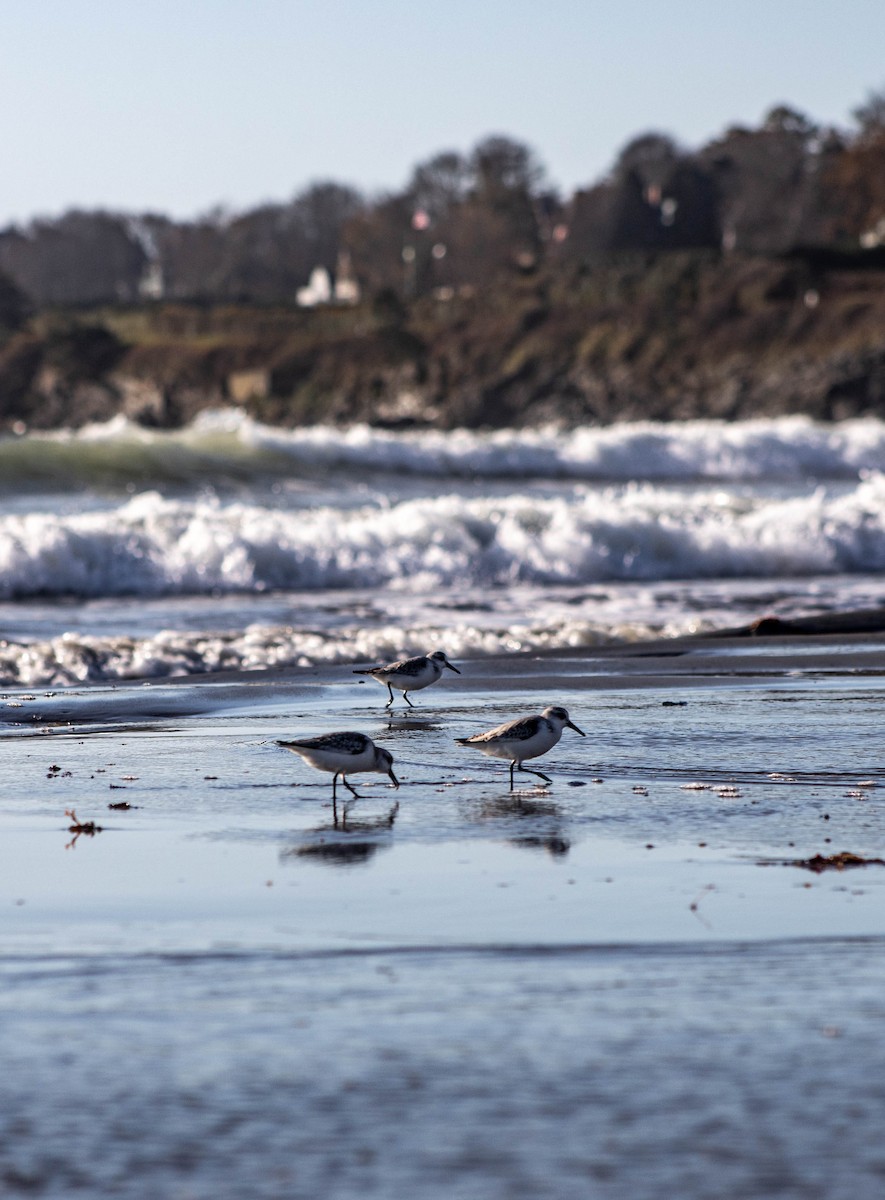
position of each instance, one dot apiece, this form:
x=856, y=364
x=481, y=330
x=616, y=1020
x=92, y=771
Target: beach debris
x=640, y=789
x=122, y=806
x=80, y=828
x=77, y=826
x=834, y=862
x=693, y=907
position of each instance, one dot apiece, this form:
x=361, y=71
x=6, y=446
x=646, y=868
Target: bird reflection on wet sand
x=412, y=724
x=357, y=846
x=555, y=846
x=334, y=854
x=542, y=817
x=517, y=804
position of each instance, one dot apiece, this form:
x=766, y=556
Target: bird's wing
x=521, y=727
x=391, y=666
x=408, y=666
x=343, y=743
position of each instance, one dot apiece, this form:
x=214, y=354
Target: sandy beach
x=632, y=981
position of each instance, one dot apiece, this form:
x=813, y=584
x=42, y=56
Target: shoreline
x=832, y=645
x=843, y=643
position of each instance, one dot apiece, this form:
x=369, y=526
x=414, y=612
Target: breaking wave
x=228, y=447
x=152, y=545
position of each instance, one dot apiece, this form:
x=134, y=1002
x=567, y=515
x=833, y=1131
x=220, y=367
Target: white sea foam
x=785, y=448
x=75, y=658
x=414, y=527
x=359, y=628
x=151, y=545
x=226, y=444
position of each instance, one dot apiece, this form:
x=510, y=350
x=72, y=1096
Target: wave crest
x=151, y=545
x=227, y=446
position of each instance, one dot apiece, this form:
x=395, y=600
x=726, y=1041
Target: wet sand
x=628, y=984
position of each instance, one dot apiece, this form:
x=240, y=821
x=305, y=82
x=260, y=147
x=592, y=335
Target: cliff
x=678, y=336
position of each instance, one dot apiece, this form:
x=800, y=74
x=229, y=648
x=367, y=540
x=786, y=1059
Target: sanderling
x=410, y=674
x=526, y=737
x=343, y=754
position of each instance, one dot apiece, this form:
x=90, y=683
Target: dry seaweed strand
x=835, y=862
x=80, y=828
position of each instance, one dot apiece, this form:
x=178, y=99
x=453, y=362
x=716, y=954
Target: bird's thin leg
x=390, y=693
x=334, y=813
x=352, y=791
x=407, y=700
x=512, y=765
x=334, y=785
x=540, y=774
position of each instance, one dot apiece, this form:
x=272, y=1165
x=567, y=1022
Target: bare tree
x=870, y=116
x=439, y=185
x=503, y=169
x=81, y=258
x=379, y=240
x=766, y=181
x=14, y=306
x=317, y=217
x=651, y=156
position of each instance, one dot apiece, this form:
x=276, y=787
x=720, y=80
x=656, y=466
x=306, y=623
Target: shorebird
x=526, y=737
x=343, y=754
x=410, y=674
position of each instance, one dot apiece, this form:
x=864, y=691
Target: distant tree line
x=464, y=220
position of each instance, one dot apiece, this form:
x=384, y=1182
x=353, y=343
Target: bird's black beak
x=393, y=778
x=572, y=725
x=451, y=668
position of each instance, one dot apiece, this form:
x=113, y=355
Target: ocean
x=661, y=975
x=132, y=554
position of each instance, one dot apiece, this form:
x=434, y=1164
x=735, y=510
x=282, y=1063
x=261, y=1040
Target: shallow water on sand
x=616, y=986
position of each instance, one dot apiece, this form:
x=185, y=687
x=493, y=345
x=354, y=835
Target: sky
x=182, y=106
